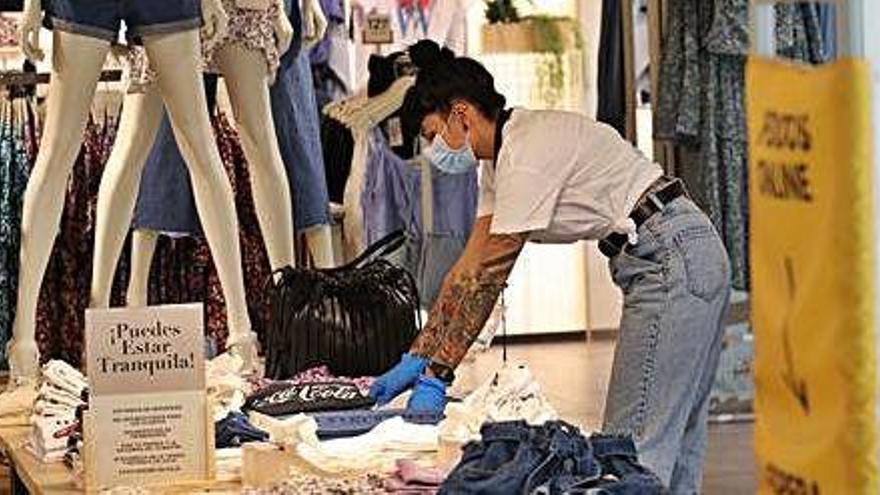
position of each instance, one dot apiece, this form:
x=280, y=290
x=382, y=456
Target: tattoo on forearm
x=466, y=302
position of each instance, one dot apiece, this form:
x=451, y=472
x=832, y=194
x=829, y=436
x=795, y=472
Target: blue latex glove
x=429, y=395
x=401, y=377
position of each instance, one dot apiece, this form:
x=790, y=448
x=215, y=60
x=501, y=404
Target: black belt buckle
x=652, y=203
x=613, y=244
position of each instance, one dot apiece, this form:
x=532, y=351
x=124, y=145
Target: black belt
x=664, y=191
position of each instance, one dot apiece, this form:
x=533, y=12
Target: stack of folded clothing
x=73, y=457
x=555, y=458
x=49, y=437
x=412, y=479
x=54, y=419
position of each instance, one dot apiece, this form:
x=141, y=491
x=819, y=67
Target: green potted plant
x=507, y=32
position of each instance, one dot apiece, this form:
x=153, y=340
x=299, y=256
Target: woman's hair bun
x=427, y=54
x=379, y=65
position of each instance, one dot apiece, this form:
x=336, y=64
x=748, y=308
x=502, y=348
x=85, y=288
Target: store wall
x=562, y=288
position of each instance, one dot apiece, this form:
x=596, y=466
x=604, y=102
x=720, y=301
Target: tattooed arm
x=468, y=295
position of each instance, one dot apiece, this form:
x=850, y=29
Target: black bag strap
x=378, y=249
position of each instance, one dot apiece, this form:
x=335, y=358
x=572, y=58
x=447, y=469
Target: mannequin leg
x=76, y=66
x=141, y=116
x=143, y=247
x=320, y=241
x=176, y=58
x=244, y=72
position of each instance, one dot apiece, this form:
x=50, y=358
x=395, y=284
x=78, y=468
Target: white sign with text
x=147, y=400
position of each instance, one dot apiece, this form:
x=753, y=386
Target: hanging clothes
x=392, y=200
x=18, y=144
x=165, y=201
x=182, y=270
x=611, y=83
x=298, y=128
x=334, y=11
x=338, y=140
x=66, y=284
x=701, y=105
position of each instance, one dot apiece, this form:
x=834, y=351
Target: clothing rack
x=19, y=78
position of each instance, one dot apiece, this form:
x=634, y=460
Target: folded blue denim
x=551, y=459
x=352, y=423
x=234, y=430
x=102, y=19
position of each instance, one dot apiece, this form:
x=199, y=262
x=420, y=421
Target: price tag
x=395, y=132
x=378, y=30
x=253, y=4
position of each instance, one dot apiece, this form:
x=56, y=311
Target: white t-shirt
x=563, y=177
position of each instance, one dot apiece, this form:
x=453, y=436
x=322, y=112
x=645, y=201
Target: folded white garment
x=48, y=409
x=52, y=433
x=291, y=430
x=227, y=389
x=512, y=394
x=65, y=377
x=53, y=393
x=49, y=436
x=377, y=450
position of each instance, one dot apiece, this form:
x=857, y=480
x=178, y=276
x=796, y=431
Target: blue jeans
x=676, y=286
x=551, y=459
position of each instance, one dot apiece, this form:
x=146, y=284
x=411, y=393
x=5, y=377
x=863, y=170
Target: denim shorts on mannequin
x=102, y=19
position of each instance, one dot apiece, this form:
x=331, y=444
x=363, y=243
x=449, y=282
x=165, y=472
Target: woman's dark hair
x=443, y=78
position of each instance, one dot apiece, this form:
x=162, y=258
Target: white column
x=764, y=29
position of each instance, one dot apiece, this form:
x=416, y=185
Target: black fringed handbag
x=357, y=319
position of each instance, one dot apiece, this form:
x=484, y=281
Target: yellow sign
x=812, y=275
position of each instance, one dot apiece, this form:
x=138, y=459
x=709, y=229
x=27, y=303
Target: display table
x=29, y=475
